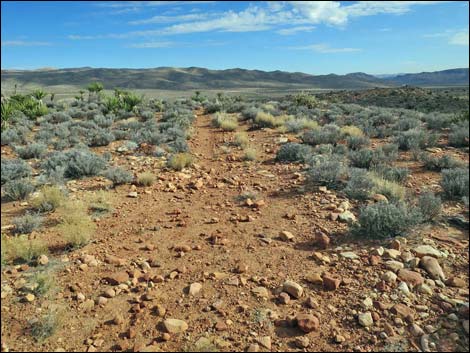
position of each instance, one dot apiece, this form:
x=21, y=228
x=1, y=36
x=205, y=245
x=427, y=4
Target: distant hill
x=194, y=78
x=452, y=77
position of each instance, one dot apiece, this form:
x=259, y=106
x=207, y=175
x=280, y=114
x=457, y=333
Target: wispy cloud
x=287, y=17
x=294, y=30
x=169, y=44
x=152, y=45
x=323, y=48
x=453, y=36
x=22, y=43
x=170, y=19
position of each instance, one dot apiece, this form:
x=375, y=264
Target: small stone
x=293, y=288
x=160, y=310
x=427, y=250
x=102, y=300
x=455, y=282
x=367, y=303
x=365, y=319
x=389, y=277
x=118, y=278
x=330, y=283
x=424, y=289
x=339, y=339
x=432, y=267
x=284, y=298
x=416, y=331
x=195, y=288
x=347, y=217
x=175, y=325
x=260, y=292
x=109, y=293
x=80, y=297
x=43, y=260
x=29, y=297
x=349, y=255
x=378, y=251
x=401, y=310
x=392, y=253
x=403, y=287
x=322, y=240
x=265, y=342
x=410, y=277
x=307, y=323
x=253, y=348
x=286, y=236
x=314, y=278
x=302, y=342
x=394, y=266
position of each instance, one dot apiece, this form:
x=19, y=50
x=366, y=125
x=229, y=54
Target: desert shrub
x=385, y=220
x=99, y=203
x=118, y=175
x=99, y=137
x=82, y=163
x=103, y=121
x=357, y=142
x=76, y=227
x=406, y=123
x=351, y=131
x=459, y=135
x=224, y=122
x=241, y=139
x=438, y=163
x=438, y=121
x=147, y=115
x=362, y=158
x=328, y=134
x=251, y=154
x=326, y=170
x=145, y=179
x=18, y=189
x=34, y=150
x=44, y=283
x=395, y=174
x=293, y=152
x=58, y=117
x=297, y=125
x=48, y=198
x=455, y=182
x=27, y=223
x=250, y=113
x=13, y=169
x=387, y=152
x=415, y=139
x=389, y=189
x=430, y=205
x=263, y=119
x=22, y=249
x=213, y=107
x=180, y=161
x=359, y=185
x=11, y=136
x=47, y=325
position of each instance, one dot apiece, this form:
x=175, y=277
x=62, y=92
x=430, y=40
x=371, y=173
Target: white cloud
x=329, y=12
x=22, y=43
x=460, y=38
x=169, y=19
x=123, y=4
x=152, y=45
x=294, y=30
x=326, y=49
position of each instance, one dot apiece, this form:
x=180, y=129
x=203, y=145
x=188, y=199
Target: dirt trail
x=189, y=232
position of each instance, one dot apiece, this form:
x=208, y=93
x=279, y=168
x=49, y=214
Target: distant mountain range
x=194, y=78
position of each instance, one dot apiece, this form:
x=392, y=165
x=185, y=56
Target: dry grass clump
x=48, y=199
x=263, y=119
x=180, y=161
x=22, y=249
x=241, y=139
x=251, y=154
x=77, y=228
x=100, y=202
x=393, y=191
x=145, y=179
x=48, y=324
x=225, y=121
x=350, y=130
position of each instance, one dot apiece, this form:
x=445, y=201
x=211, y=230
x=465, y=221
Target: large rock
x=307, y=323
x=195, y=288
x=294, y=289
x=410, y=277
x=365, y=319
x=330, y=283
x=175, y=325
x=432, y=267
x=427, y=250
x=117, y=278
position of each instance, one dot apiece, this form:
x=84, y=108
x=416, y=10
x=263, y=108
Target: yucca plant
x=130, y=101
x=38, y=94
x=7, y=112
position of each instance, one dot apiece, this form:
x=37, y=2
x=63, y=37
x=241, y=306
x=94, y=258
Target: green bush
x=118, y=175
x=360, y=185
x=293, y=152
x=13, y=169
x=326, y=170
x=27, y=223
x=430, y=205
x=328, y=134
x=385, y=220
x=48, y=199
x=18, y=189
x=455, y=182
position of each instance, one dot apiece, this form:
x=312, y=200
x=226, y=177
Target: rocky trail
x=192, y=263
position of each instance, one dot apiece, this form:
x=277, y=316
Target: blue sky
x=314, y=37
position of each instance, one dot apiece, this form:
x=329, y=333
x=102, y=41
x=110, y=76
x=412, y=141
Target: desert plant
x=351, y=131
x=251, y=154
x=118, y=175
x=22, y=249
x=438, y=163
x=359, y=185
x=180, y=161
x=362, y=158
x=18, y=189
x=385, y=220
x=326, y=171
x=395, y=174
x=34, y=150
x=43, y=283
x=357, y=142
x=455, y=182
x=241, y=139
x=389, y=189
x=430, y=205
x=224, y=121
x=415, y=139
x=47, y=325
x=293, y=152
x=145, y=179
x=27, y=223
x=48, y=199
x=459, y=134
x=100, y=203
x=13, y=169
x=263, y=119
x=76, y=227
x=328, y=134
x=82, y=163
